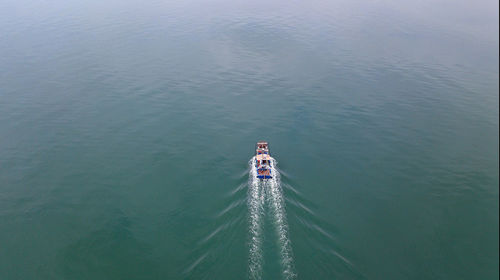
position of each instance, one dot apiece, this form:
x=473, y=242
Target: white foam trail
x=278, y=209
x=255, y=206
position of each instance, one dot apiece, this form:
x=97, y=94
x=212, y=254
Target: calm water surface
x=126, y=128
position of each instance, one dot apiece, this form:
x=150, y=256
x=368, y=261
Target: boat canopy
x=262, y=157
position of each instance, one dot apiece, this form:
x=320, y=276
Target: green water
x=126, y=128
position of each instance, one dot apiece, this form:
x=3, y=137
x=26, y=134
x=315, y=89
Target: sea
x=128, y=129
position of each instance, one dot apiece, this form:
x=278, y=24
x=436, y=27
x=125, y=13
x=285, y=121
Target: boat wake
x=278, y=209
x=256, y=213
x=265, y=194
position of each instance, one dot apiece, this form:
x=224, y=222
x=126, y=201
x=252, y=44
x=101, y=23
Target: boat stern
x=264, y=173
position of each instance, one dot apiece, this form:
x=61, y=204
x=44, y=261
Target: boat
x=263, y=160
